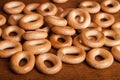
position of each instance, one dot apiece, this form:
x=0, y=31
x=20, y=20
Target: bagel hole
x=61, y=40
x=42, y=27
x=48, y=63
x=37, y=44
x=79, y=18
x=13, y=33
x=110, y=5
x=23, y=62
x=46, y=10
x=99, y=58
x=90, y=6
x=75, y=54
x=11, y=47
x=33, y=10
x=104, y=19
x=110, y=37
x=33, y=20
x=93, y=38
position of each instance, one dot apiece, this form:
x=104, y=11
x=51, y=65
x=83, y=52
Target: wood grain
x=69, y=72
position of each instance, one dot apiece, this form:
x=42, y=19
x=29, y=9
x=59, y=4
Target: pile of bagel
x=88, y=32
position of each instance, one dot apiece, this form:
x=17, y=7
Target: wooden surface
x=69, y=72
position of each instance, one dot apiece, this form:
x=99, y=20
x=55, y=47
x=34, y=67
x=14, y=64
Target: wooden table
x=69, y=72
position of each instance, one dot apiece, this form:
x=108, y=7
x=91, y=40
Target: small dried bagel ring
x=14, y=19
x=31, y=7
x=98, y=42
x=15, y=62
x=84, y=20
x=49, y=57
x=116, y=52
x=47, y=9
x=111, y=38
x=90, y=6
x=104, y=20
x=37, y=46
x=64, y=54
x=8, y=48
x=59, y=41
x=2, y=20
x=14, y=7
x=55, y=20
x=78, y=42
x=65, y=12
x=13, y=33
x=110, y=6
x=94, y=26
x=31, y=21
x=116, y=27
x=63, y=30
x=105, y=54
x=34, y=35
x=59, y=11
